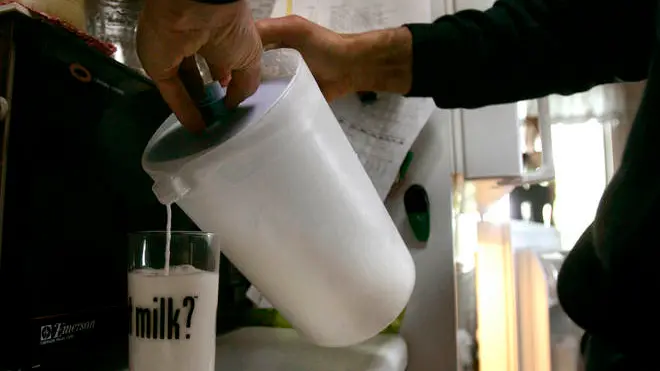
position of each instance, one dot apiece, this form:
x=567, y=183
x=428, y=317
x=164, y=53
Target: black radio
x=74, y=123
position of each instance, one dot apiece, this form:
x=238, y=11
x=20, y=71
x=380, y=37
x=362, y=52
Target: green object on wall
x=403, y=170
x=416, y=202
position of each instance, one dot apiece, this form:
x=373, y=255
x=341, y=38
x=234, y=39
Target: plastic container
x=279, y=183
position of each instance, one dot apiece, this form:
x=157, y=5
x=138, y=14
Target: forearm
x=516, y=50
x=382, y=60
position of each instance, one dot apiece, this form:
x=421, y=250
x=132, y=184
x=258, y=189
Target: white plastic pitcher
x=293, y=206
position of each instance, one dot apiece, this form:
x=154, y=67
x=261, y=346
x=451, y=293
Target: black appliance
x=72, y=187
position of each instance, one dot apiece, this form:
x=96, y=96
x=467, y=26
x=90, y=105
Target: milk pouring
x=168, y=238
x=172, y=319
x=298, y=215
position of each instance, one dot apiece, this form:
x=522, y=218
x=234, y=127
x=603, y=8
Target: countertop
x=275, y=349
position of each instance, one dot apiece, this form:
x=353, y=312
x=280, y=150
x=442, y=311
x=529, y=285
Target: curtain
x=612, y=103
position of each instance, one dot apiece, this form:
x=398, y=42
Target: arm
x=518, y=49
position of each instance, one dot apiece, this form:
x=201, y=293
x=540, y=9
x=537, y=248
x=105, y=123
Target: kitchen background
x=589, y=131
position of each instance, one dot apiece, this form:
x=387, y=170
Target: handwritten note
x=382, y=133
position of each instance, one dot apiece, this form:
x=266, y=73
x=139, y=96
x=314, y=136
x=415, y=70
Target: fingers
x=237, y=64
x=220, y=71
x=242, y=85
x=284, y=32
x=162, y=65
x=176, y=96
x=192, y=79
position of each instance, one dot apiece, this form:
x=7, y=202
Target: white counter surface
x=275, y=349
x=271, y=349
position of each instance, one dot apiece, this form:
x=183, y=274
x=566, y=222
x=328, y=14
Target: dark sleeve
x=524, y=49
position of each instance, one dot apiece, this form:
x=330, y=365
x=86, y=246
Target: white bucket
x=293, y=206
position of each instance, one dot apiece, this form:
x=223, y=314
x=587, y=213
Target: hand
x=225, y=35
x=327, y=53
x=345, y=63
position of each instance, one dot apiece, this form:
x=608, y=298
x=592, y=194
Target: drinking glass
x=172, y=301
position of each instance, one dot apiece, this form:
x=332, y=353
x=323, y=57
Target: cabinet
x=489, y=142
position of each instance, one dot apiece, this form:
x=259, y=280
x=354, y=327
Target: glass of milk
x=172, y=299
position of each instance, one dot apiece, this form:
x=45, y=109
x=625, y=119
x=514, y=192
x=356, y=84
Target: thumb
x=283, y=32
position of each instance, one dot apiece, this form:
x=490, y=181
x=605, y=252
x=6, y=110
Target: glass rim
x=172, y=233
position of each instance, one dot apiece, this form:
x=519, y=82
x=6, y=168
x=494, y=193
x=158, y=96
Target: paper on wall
x=261, y=8
x=381, y=133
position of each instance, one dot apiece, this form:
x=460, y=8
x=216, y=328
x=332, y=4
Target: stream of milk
x=168, y=238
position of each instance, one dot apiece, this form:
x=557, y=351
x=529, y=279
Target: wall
x=429, y=325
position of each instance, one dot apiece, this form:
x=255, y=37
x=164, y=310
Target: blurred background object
x=72, y=11
x=115, y=21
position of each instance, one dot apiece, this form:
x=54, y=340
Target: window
x=580, y=175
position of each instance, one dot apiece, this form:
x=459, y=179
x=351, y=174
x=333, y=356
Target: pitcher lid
x=173, y=142
x=174, y=153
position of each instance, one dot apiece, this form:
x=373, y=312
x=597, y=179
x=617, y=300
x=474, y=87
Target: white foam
x=153, y=341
